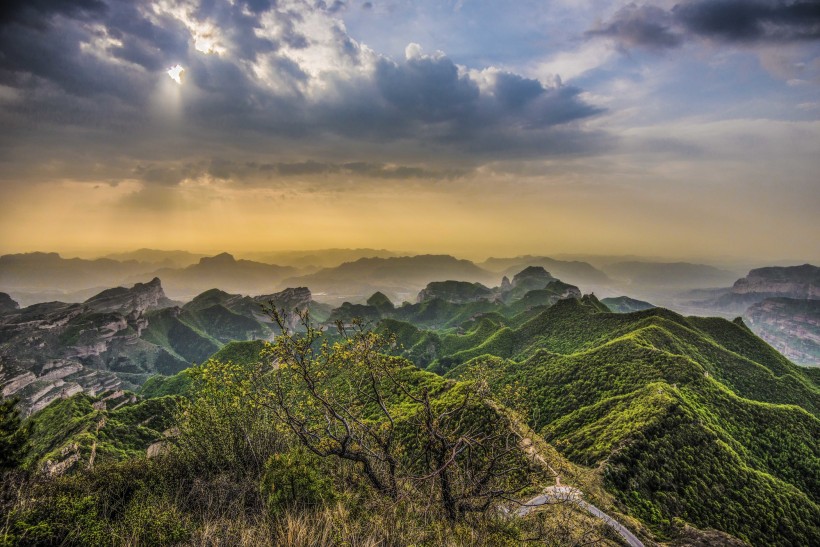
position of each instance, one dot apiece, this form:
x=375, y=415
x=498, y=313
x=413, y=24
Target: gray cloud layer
x=733, y=21
x=288, y=86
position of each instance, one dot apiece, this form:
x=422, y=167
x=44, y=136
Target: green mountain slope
x=688, y=417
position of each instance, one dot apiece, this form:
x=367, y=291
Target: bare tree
x=350, y=399
x=330, y=395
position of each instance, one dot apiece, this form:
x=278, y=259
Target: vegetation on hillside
x=425, y=429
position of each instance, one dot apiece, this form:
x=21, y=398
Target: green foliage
x=380, y=301
x=14, y=435
x=296, y=478
x=222, y=425
x=159, y=385
x=242, y=353
x=167, y=328
x=124, y=503
x=73, y=428
x=657, y=400
x=681, y=418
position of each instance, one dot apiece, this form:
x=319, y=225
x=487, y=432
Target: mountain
x=119, y=337
x=225, y=272
x=800, y=282
x=672, y=275
x=680, y=422
x=54, y=350
x=158, y=258
x=399, y=277
x=456, y=292
x=624, y=304
x=321, y=258
x=791, y=326
x=692, y=418
x=580, y=273
x=26, y=275
x=139, y=298
x=796, y=282
x=448, y=304
x=779, y=304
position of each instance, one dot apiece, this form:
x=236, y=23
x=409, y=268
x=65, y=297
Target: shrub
x=295, y=478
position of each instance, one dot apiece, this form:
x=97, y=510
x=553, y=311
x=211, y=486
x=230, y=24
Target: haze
x=681, y=128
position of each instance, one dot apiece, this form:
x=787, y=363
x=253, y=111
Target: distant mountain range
x=160, y=259
x=669, y=274
x=580, y=273
x=225, y=272
x=399, y=277
x=686, y=287
x=320, y=258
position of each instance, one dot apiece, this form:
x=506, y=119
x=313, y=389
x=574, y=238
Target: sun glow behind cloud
x=176, y=73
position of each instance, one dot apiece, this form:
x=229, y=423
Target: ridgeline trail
x=568, y=494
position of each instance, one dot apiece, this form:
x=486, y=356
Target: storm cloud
x=261, y=79
x=728, y=21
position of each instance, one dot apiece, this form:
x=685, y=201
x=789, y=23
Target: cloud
x=39, y=13
x=729, y=21
x=171, y=173
x=751, y=20
x=641, y=26
x=264, y=80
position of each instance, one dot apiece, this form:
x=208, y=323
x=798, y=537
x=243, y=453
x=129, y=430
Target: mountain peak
x=221, y=258
x=531, y=272
x=140, y=297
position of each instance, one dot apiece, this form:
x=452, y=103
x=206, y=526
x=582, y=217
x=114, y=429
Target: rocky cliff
x=791, y=326
x=456, y=292
x=121, y=336
x=136, y=300
x=799, y=282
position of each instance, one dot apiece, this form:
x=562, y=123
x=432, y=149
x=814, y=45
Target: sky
x=686, y=128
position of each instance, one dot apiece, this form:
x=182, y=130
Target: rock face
x=791, y=326
x=796, y=282
x=505, y=283
x=49, y=351
x=532, y=278
x=298, y=298
x=141, y=297
x=120, y=337
x=456, y=292
x=799, y=282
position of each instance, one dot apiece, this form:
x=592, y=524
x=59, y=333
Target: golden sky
x=456, y=128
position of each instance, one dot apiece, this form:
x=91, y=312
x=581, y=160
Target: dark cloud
x=427, y=89
x=39, y=13
x=732, y=21
x=751, y=20
x=91, y=73
x=641, y=26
